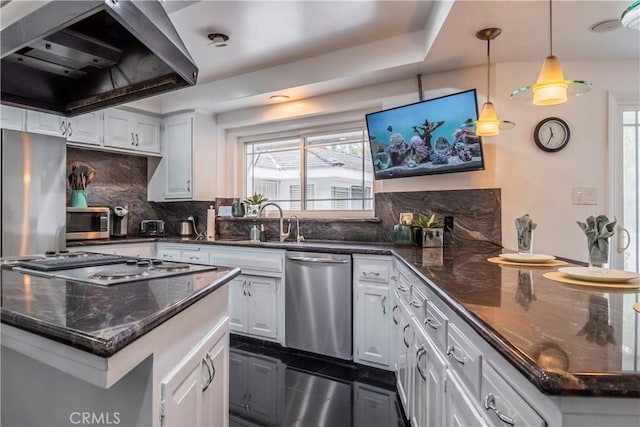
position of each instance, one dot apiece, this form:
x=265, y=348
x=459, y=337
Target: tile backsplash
x=122, y=180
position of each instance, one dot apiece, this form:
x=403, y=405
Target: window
x=333, y=168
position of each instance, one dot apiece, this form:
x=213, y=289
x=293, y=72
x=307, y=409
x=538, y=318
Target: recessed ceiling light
x=279, y=97
x=218, y=39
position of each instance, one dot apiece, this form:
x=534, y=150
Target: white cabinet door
x=12, y=118
x=238, y=305
x=46, y=124
x=131, y=131
x=195, y=392
x=177, y=138
x=404, y=342
x=86, y=129
x=147, y=133
x=428, y=383
x=460, y=411
x=372, y=318
x=262, y=306
x=118, y=129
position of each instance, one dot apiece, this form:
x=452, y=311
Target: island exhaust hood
x=74, y=57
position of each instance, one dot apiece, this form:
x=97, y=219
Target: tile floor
x=273, y=386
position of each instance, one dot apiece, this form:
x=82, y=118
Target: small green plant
x=255, y=199
x=423, y=222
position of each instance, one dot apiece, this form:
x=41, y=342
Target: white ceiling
x=309, y=48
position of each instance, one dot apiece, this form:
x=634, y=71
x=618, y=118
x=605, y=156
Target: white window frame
x=258, y=137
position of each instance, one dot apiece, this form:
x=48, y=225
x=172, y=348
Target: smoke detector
x=218, y=39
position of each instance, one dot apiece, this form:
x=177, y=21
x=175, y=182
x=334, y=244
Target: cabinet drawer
x=169, y=255
x=465, y=358
x=503, y=404
x=195, y=257
x=436, y=325
x=249, y=260
x=371, y=272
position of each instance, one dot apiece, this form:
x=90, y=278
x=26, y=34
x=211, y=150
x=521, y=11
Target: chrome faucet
x=299, y=237
x=283, y=235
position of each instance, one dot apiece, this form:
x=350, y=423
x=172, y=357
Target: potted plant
x=253, y=204
x=429, y=231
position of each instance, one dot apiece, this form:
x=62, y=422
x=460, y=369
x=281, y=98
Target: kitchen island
x=135, y=353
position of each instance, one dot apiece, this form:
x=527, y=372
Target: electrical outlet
x=448, y=223
x=584, y=196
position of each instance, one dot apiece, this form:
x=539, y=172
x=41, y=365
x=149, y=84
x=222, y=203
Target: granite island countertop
x=565, y=339
x=100, y=319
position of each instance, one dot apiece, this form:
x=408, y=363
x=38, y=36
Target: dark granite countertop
x=567, y=340
x=100, y=319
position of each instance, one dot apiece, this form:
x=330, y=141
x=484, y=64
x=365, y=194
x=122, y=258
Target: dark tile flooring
x=273, y=386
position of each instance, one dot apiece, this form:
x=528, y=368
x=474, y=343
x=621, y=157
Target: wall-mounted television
x=426, y=137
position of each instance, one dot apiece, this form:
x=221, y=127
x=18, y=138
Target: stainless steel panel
x=33, y=193
x=318, y=303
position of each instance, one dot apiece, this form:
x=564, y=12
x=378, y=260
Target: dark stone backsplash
x=122, y=180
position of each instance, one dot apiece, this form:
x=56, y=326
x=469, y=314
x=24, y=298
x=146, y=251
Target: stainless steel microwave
x=88, y=223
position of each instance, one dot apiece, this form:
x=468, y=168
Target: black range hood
x=74, y=57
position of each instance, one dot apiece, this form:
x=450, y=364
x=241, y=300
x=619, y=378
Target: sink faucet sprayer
x=283, y=236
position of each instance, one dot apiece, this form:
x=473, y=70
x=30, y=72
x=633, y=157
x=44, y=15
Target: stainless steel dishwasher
x=318, y=297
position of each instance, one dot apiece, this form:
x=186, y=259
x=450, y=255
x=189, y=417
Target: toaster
x=152, y=227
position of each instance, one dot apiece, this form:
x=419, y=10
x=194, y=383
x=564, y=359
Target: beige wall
x=532, y=181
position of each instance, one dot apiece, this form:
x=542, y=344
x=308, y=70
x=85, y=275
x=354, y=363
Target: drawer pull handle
x=249, y=288
x=193, y=257
x=451, y=351
x=244, y=288
x=394, y=278
x=431, y=322
x=384, y=309
x=404, y=335
x=370, y=274
x=490, y=405
x=393, y=314
x=403, y=288
x=415, y=304
x=421, y=352
x=205, y=363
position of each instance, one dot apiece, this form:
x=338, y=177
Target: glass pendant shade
x=488, y=123
x=631, y=16
x=551, y=88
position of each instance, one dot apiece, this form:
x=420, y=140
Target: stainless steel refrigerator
x=33, y=193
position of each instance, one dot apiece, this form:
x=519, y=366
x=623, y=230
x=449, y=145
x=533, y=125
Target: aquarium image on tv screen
x=426, y=137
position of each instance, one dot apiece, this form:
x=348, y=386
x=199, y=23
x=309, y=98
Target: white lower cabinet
x=195, y=392
x=372, y=324
x=404, y=344
x=429, y=375
x=252, y=306
x=461, y=412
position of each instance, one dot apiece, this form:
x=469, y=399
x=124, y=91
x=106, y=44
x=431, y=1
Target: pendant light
x=551, y=88
x=488, y=123
x=631, y=16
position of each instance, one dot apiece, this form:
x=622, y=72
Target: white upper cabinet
x=131, y=131
x=12, y=118
x=46, y=124
x=186, y=170
x=86, y=129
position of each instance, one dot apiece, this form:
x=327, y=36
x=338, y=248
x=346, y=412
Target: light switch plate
x=584, y=196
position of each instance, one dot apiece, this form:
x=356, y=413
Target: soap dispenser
x=254, y=234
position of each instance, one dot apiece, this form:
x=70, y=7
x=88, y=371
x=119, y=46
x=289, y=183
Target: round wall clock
x=551, y=134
